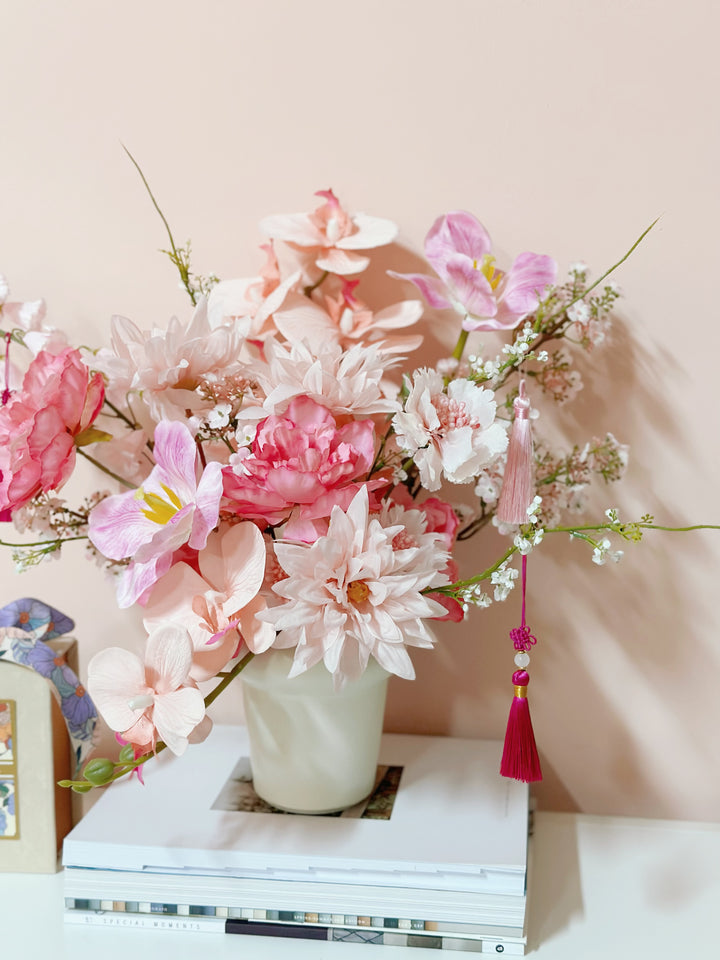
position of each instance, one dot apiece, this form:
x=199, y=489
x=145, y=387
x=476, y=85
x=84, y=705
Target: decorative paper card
x=9, y=826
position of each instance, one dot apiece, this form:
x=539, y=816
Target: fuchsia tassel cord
x=520, y=759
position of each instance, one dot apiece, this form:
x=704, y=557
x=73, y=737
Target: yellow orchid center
x=160, y=510
x=487, y=268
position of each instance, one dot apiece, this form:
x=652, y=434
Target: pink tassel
x=520, y=759
x=518, y=489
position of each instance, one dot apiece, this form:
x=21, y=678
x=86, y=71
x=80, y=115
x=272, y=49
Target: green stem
x=96, y=463
x=40, y=543
x=313, y=286
x=177, y=259
x=613, y=527
x=460, y=345
x=118, y=413
x=452, y=588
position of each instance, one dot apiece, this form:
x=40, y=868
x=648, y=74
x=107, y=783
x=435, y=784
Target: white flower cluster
x=503, y=579
x=474, y=595
x=602, y=553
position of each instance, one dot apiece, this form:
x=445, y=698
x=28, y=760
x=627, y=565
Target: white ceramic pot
x=312, y=749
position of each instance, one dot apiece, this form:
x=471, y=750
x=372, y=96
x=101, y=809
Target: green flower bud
x=98, y=771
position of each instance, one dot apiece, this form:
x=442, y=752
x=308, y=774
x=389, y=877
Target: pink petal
x=118, y=527
x=115, y=676
x=398, y=315
x=341, y=262
x=471, y=287
x=259, y=636
x=293, y=228
x=234, y=563
x=526, y=280
x=372, y=232
x=176, y=715
x=456, y=232
x=433, y=289
x=175, y=455
x=168, y=658
x=207, y=504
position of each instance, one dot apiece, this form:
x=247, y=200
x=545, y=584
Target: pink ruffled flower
x=175, y=506
x=458, y=248
x=329, y=236
x=43, y=422
x=217, y=605
x=144, y=701
x=299, y=466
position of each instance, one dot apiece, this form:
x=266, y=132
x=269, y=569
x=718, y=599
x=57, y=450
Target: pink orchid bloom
x=144, y=701
x=251, y=303
x=346, y=320
x=218, y=604
x=299, y=466
x=330, y=236
x=172, y=508
x=42, y=423
x=458, y=248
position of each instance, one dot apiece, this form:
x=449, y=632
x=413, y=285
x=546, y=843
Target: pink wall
x=567, y=127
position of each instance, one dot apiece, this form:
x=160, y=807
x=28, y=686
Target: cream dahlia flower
x=357, y=593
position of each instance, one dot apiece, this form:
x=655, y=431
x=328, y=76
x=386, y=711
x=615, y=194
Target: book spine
x=145, y=921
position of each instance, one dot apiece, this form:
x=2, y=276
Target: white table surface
x=600, y=887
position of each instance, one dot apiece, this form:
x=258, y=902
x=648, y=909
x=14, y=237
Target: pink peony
x=42, y=423
x=299, y=467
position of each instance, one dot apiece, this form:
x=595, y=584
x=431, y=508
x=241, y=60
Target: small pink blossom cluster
x=284, y=478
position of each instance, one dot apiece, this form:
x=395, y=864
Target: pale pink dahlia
x=357, y=592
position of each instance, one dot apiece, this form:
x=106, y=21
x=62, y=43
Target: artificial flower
x=218, y=603
x=299, y=466
x=357, y=593
x=451, y=433
x=347, y=382
x=330, y=237
x=458, y=248
x=153, y=698
x=345, y=320
x=163, y=368
x=41, y=424
x=174, y=506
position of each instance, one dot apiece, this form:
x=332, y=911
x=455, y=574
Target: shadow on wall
x=613, y=683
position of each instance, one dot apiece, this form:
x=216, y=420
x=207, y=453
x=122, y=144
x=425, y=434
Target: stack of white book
x=436, y=857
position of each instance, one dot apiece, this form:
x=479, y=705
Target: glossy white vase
x=312, y=749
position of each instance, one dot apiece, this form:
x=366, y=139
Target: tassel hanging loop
x=518, y=488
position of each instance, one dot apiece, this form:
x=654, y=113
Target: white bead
x=522, y=660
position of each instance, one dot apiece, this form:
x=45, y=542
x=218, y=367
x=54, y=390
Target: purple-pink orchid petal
x=433, y=289
x=470, y=287
x=454, y=233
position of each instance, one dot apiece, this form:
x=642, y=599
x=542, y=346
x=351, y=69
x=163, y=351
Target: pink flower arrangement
x=289, y=478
